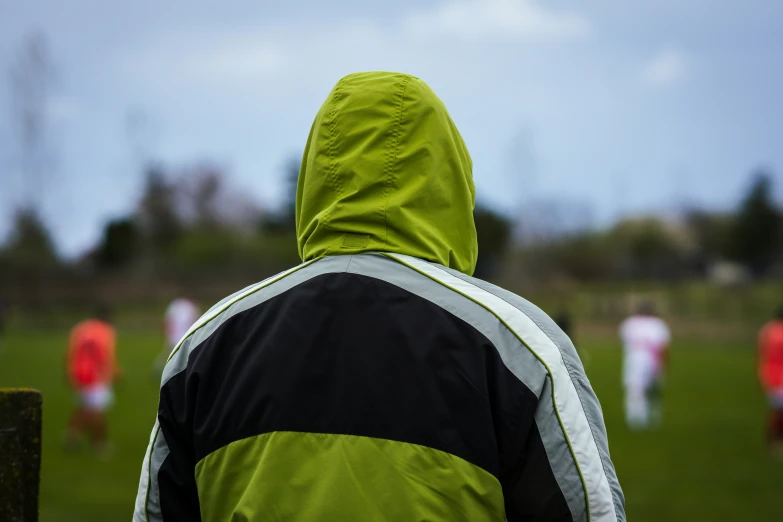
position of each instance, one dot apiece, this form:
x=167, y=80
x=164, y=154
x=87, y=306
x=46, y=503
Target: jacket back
x=378, y=380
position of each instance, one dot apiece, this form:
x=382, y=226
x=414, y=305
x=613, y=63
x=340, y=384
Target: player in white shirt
x=180, y=316
x=645, y=339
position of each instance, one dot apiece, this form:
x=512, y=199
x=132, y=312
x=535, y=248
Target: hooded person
x=378, y=380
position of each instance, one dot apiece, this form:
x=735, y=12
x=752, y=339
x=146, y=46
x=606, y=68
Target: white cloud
x=205, y=57
x=483, y=19
x=665, y=69
x=237, y=58
x=172, y=61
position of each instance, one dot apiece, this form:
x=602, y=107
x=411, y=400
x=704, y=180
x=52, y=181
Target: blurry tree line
x=191, y=229
x=189, y=220
x=728, y=246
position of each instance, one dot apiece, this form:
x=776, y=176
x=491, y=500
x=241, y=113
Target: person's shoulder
x=79, y=324
x=90, y=324
x=772, y=327
x=515, y=303
x=78, y=327
x=772, y=331
x=245, y=293
x=110, y=328
x=499, y=292
x=661, y=323
x=633, y=323
x=237, y=302
x=775, y=325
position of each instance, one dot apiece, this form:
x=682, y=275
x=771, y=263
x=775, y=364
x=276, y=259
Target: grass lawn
x=707, y=462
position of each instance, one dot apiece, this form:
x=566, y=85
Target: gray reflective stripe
x=567, y=392
x=148, y=497
x=160, y=451
x=231, y=297
x=590, y=404
x=139, y=512
x=515, y=355
x=559, y=454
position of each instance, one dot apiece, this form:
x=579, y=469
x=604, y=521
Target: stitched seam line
x=331, y=171
x=391, y=163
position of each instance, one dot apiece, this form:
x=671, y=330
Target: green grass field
x=707, y=462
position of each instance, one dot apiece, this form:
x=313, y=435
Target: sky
x=609, y=107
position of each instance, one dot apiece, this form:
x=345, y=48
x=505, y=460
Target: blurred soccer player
x=180, y=316
x=771, y=376
x=92, y=369
x=645, y=339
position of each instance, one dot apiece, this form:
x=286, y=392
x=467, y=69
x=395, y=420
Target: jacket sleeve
x=167, y=488
x=568, y=422
x=563, y=471
x=565, y=451
x=532, y=492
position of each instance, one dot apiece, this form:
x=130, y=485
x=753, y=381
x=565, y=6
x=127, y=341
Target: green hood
x=385, y=170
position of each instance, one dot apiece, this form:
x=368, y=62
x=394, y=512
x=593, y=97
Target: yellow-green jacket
x=378, y=381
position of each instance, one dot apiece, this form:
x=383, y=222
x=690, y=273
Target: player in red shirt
x=771, y=376
x=92, y=369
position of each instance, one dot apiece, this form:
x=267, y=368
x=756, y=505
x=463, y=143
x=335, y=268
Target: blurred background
x=622, y=151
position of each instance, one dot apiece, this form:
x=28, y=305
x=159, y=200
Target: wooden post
x=20, y=454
